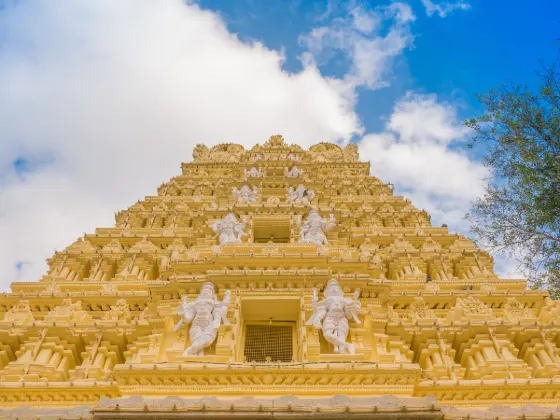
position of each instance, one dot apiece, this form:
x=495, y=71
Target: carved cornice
x=491, y=391
x=53, y=394
x=261, y=379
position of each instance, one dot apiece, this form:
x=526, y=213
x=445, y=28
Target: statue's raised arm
x=235, y=193
x=319, y=311
x=220, y=311
x=217, y=227
x=187, y=313
x=352, y=308
x=329, y=223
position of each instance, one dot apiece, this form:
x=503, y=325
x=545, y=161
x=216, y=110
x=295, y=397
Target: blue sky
x=100, y=100
x=456, y=57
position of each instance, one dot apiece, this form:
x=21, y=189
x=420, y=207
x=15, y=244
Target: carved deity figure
x=177, y=248
x=515, y=311
x=205, y=314
x=292, y=173
x=253, y=173
x=120, y=311
x=300, y=195
x=469, y=308
x=67, y=307
x=314, y=228
x=419, y=309
x=245, y=194
x=229, y=230
x=68, y=312
x=550, y=311
x=19, y=314
x=331, y=315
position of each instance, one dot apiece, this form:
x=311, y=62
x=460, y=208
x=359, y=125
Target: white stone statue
x=229, y=230
x=205, y=314
x=300, y=195
x=314, y=228
x=253, y=173
x=245, y=194
x=292, y=173
x=331, y=315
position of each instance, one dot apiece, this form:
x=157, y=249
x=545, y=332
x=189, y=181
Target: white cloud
x=416, y=153
x=114, y=95
x=104, y=100
x=508, y=267
x=421, y=119
x=445, y=7
x=357, y=34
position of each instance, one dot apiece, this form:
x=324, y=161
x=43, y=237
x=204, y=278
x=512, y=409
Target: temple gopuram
x=277, y=282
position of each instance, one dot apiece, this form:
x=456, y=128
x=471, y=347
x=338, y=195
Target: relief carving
x=205, y=314
x=331, y=316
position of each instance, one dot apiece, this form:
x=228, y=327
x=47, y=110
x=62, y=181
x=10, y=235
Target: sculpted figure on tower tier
x=314, y=228
x=229, y=230
x=331, y=315
x=292, y=173
x=245, y=194
x=205, y=314
x=253, y=173
x=300, y=195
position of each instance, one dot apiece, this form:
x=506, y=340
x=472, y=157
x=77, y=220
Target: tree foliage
x=519, y=214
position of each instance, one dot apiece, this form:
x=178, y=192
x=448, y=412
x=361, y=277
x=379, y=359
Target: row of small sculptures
x=299, y=195
x=229, y=231
x=290, y=173
x=331, y=315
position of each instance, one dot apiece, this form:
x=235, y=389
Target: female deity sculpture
x=229, y=230
x=300, y=195
x=292, y=173
x=293, y=157
x=331, y=315
x=314, y=228
x=253, y=173
x=245, y=194
x=205, y=314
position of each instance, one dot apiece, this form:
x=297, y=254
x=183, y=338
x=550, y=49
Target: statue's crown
x=207, y=285
x=332, y=282
x=332, y=286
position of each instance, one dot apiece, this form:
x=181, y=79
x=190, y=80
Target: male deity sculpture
x=253, y=173
x=314, y=228
x=300, y=195
x=331, y=315
x=229, y=230
x=292, y=173
x=245, y=194
x=205, y=314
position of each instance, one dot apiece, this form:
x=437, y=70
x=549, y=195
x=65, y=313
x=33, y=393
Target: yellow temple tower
x=277, y=282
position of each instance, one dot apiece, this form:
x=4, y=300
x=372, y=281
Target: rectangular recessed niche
x=275, y=172
x=269, y=342
x=271, y=229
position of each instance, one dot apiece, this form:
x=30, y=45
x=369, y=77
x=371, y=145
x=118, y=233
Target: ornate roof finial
x=275, y=141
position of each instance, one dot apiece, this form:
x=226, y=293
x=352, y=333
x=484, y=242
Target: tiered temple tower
x=277, y=281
